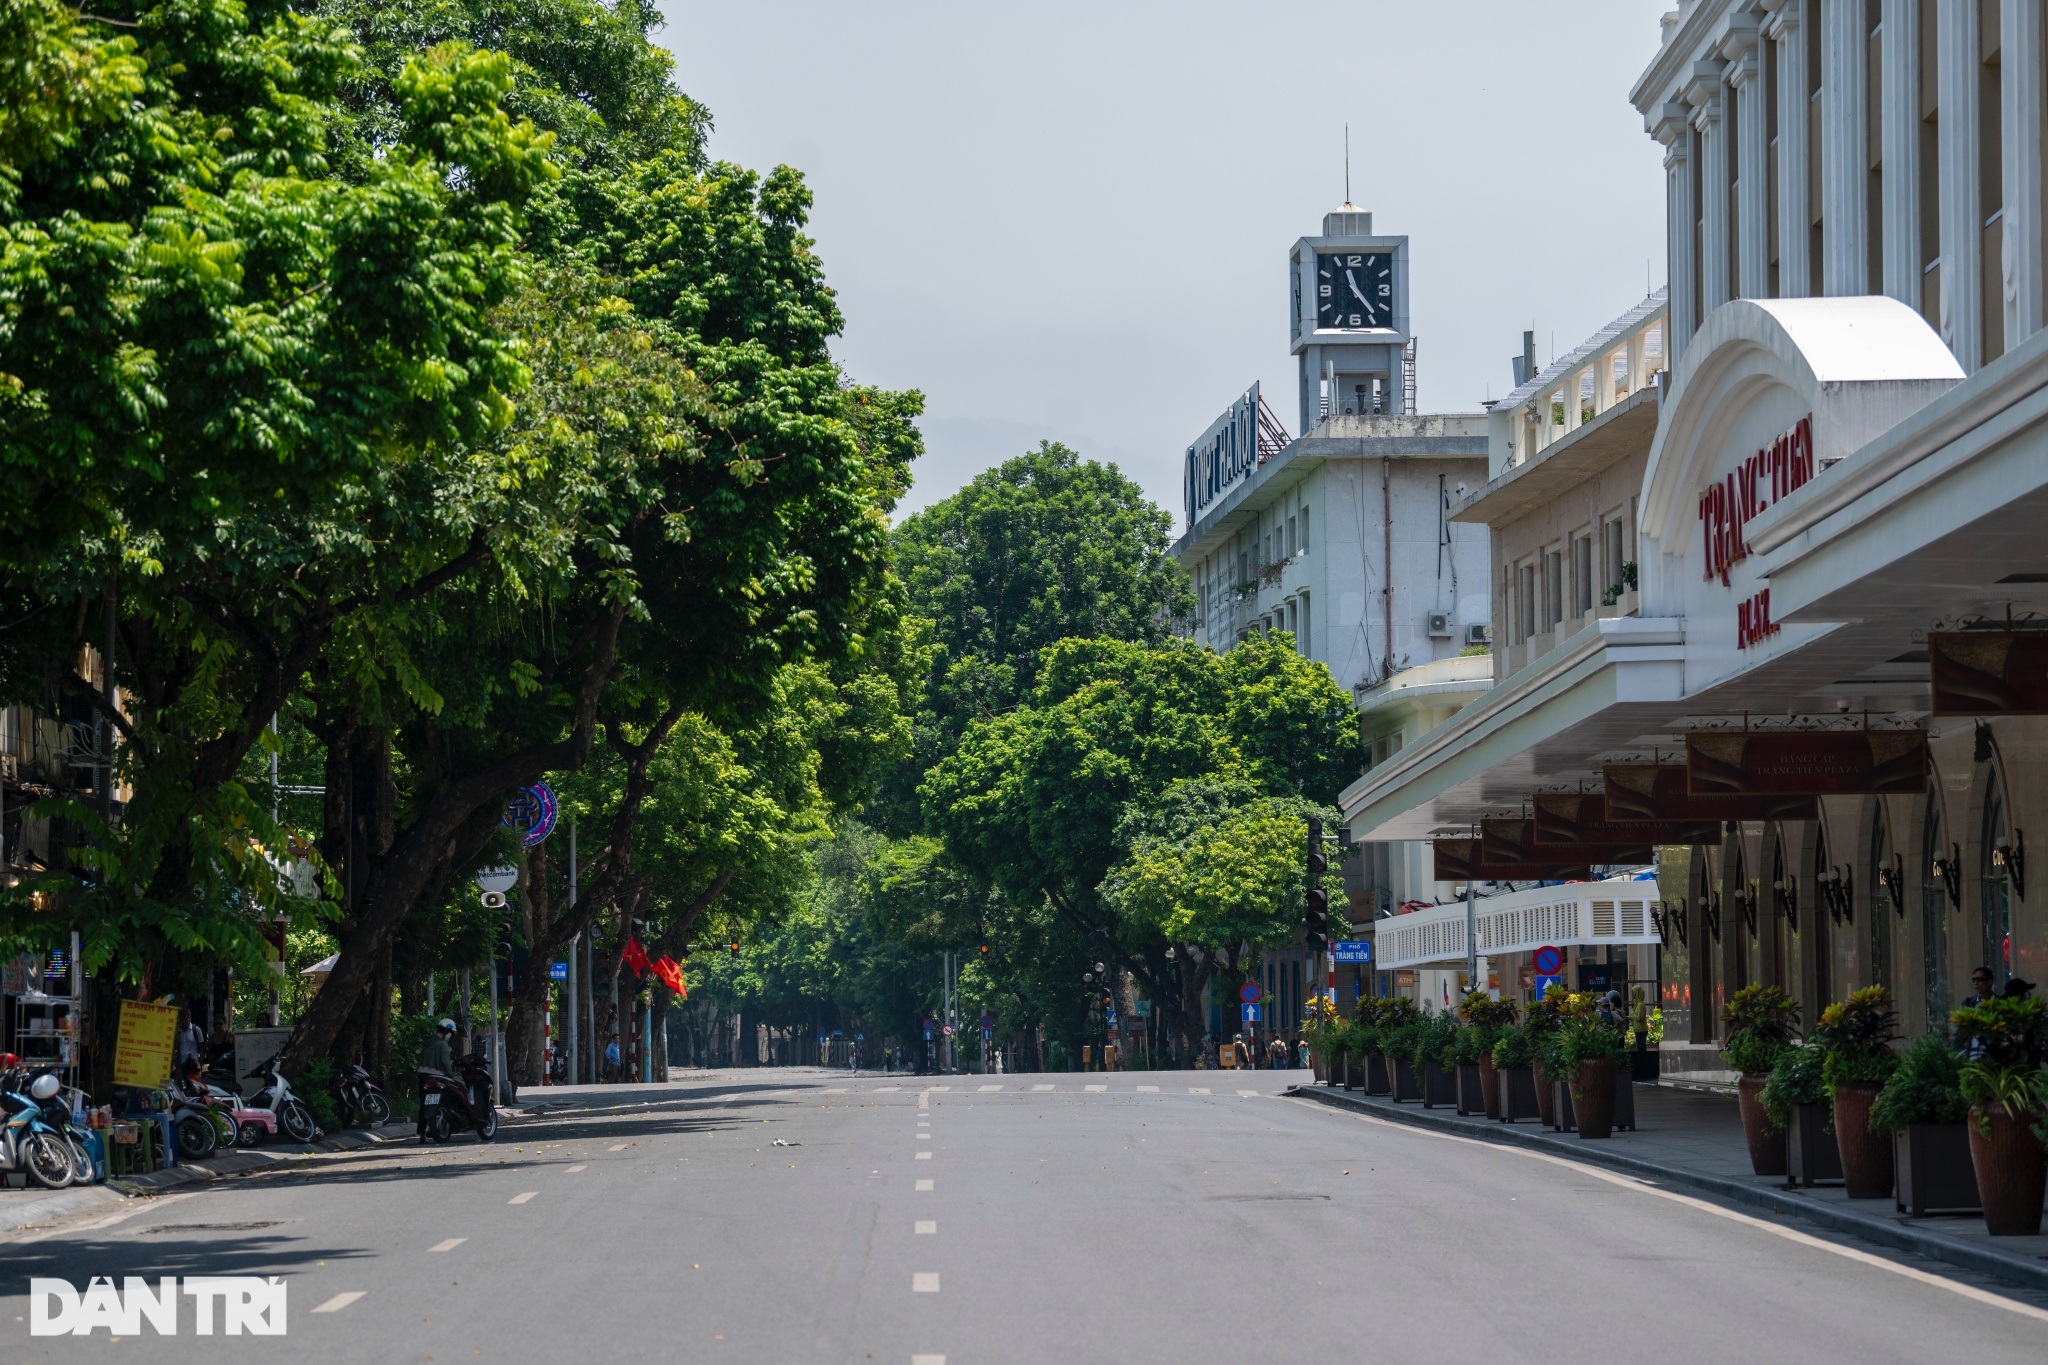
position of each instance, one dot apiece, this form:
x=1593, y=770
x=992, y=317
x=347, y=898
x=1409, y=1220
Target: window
x=1582, y=575
x=1612, y=555
x=1927, y=97
x=1290, y=537
x=1553, y=588
x=1301, y=635
x=1304, y=528
x=1873, y=147
x=1525, y=599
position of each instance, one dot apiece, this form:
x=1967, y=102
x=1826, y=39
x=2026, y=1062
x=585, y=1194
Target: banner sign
x=1808, y=762
x=1223, y=455
x=1646, y=793
x=1457, y=860
x=1989, y=672
x=142, y=1046
x=1583, y=820
x=1514, y=842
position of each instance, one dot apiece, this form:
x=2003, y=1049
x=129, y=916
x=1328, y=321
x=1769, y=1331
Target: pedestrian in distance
x=437, y=1055
x=611, y=1059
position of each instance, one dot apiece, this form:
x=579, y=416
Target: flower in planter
x=1761, y=1022
x=1855, y=1036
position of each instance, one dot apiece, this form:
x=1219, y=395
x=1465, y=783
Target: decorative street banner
x=1583, y=820
x=1989, y=672
x=531, y=815
x=1808, y=762
x=1457, y=860
x=1646, y=793
x=1514, y=842
x=142, y=1047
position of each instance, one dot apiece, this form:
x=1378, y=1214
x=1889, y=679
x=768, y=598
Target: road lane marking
x=926, y=1227
x=924, y=1156
x=927, y=1360
x=986, y=1088
x=1248, y=1094
x=340, y=1301
x=938, y=1087
x=1967, y=1291
x=1092, y=1088
x=923, y=1185
x=924, y=1137
x=1198, y=1090
x=925, y=1282
x=726, y=1099
x=885, y=1090
x=1148, y=1090
x=449, y=1245
x=571, y=1170
x=618, y=1147
x=924, y=1099
x=1045, y=1087
x=522, y=1198
x=840, y=1091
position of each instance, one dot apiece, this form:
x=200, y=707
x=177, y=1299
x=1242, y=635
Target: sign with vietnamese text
x=142, y=1046
x=1808, y=762
x=1989, y=672
x=1351, y=950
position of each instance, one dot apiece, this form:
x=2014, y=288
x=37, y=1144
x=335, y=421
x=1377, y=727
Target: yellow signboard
x=142, y=1049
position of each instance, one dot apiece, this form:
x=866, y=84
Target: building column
x=1900, y=131
x=1683, y=319
x=1962, y=254
x=1844, y=166
x=2022, y=23
x=1795, y=210
x=1752, y=156
x=1705, y=92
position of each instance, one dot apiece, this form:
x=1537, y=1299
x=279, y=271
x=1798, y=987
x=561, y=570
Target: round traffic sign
x=1250, y=993
x=1547, y=962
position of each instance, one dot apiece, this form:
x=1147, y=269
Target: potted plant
x=1758, y=1025
x=1856, y=1060
x=1922, y=1108
x=1431, y=1046
x=1514, y=1058
x=1399, y=1019
x=1590, y=1051
x=1545, y=1016
x=2006, y=1042
x=1366, y=1021
x=1645, y=1037
x=1795, y=1097
x=1486, y=1019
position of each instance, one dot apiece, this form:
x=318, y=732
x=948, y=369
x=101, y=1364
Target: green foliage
x=1926, y=1088
x=1516, y=1047
x=1854, y=1037
x=1430, y=1038
x=2007, y=1043
x=1759, y=1023
x=1583, y=1040
x=1798, y=1078
x=311, y=1088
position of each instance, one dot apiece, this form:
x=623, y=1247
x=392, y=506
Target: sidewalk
x=1694, y=1138
x=20, y=1208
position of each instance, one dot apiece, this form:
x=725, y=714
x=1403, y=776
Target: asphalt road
x=801, y=1216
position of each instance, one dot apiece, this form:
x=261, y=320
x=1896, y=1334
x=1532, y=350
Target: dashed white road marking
x=1198, y=1090
x=618, y=1147
x=924, y=1156
x=1248, y=1094
x=571, y=1170
x=924, y=1137
x=927, y=1360
x=924, y=1099
x=449, y=1245
x=728, y=1099
x=926, y=1227
x=522, y=1198
x=923, y=1185
x=986, y=1088
x=1148, y=1090
x=885, y=1090
x=1092, y=1088
x=925, y=1282
x=840, y=1090
x=938, y=1087
x=339, y=1302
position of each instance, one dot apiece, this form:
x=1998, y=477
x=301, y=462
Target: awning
x=1616, y=910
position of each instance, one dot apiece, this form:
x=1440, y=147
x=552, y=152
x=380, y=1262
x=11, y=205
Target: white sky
x=1071, y=220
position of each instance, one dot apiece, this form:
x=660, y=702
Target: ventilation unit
x=1439, y=625
x=1479, y=633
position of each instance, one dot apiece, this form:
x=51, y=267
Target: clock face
x=1354, y=289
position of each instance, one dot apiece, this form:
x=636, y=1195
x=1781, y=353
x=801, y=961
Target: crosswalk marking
x=924, y=1137
x=1198, y=1090
x=923, y=1185
x=926, y=1227
x=925, y=1282
x=885, y=1090
x=924, y=1156
x=1094, y=1087
x=1045, y=1087
x=1148, y=1090
x=449, y=1245
x=927, y=1360
x=571, y=1170
x=986, y=1088
x=339, y=1302
x=522, y=1198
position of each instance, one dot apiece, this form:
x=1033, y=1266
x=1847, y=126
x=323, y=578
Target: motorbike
x=446, y=1100
x=276, y=1095
x=357, y=1093
x=27, y=1141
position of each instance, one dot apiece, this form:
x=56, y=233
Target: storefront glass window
x=1881, y=907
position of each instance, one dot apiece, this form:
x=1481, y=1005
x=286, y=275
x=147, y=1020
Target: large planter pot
x=1624, y=1098
x=1376, y=1079
x=1439, y=1087
x=1936, y=1173
x=1811, y=1156
x=1866, y=1155
x=1546, y=1097
x=1471, y=1089
x=1766, y=1144
x=1518, y=1095
x=1489, y=1087
x=1322, y=1067
x=2010, y=1172
x=1354, y=1071
x=1406, y=1086
x=1642, y=1066
x=1563, y=1113
x=1593, y=1097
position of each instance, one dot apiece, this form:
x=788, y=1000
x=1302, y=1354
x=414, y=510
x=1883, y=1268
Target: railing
x=1621, y=358
x=1616, y=910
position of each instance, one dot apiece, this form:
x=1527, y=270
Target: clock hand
x=1355, y=290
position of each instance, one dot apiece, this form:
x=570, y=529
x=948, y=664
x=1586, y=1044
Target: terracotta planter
x=2008, y=1160
x=1546, y=1097
x=1593, y=1097
x=1406, y=1085
x=1439, y=1087
x=1518, y=1095
x=1766, y=1144
x=1376, y=1082
x=1471, y=1089
x=1934, y=1168
x=1866, y=1155
x=1489, y=1087
x=1811, y=1156
x=1563, y=1111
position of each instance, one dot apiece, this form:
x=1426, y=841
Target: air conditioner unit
x=1478, y=633
x=1439, y=625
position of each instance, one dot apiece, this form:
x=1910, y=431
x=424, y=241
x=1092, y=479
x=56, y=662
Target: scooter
x=292, y=1115
x=355, y=1092
x=27, y=1142
x=446, y=1101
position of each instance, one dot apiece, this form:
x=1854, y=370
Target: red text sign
x=1746, y=491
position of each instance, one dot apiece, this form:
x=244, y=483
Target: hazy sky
x=1071, y=220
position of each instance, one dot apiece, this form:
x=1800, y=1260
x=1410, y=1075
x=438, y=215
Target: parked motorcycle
x=276, y=1095
x=27, y=1141
x=357, y=1093
x=447, y=1100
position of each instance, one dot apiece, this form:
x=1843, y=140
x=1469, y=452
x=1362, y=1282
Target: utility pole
x=1318, y=916
x=569, y=1057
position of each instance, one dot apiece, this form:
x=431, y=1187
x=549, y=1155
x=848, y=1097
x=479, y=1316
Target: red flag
x=669, y=973
x=634, y=956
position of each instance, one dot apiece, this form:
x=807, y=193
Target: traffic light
x=1318, y=916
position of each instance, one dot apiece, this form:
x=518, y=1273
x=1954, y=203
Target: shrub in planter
x=2006, y=1042
x=1486, y=1020
x=1759, y=1024
x=1855, y=1037
x=1514, y=1058
x=1795, y=1099
x=1431, y=1043
x=1589, y=1051
x=1922, y=1108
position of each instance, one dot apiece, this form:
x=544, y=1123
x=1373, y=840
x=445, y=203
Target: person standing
x=435, y=1056
x=611, y=1059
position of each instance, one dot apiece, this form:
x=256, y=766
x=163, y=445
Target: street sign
x=860, y=1037
x=947, y=1030
x=1547, y=962
x=1111, y=1016
x=988, y=1020
x=1541, y=983
x=1351, y=950
x=1249, y=993
x=531, y=814
x=1251, y=1013
x=1142, y=1008
x=558, y=971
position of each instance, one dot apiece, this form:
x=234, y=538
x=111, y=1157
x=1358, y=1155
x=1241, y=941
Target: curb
x=2011, y=1267
x=60, y=1203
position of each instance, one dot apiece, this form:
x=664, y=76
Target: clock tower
x=1349, y=324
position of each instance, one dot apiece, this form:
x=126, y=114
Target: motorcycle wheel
x=196, y=1136
x=438, y=1128
x=48, y=1161
x=373, y=1107
x=487, y=1124
x=229, y=1128
x=81, y=1159
x=252, y=1133
x=296, y=1120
